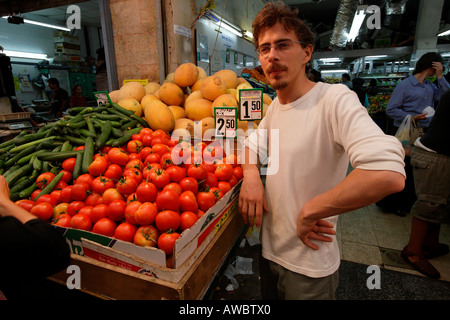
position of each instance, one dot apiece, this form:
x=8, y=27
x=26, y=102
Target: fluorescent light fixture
x=330, y=59
x=42, y=24
x=248, y=34
x=356, y=24
x=334, y=71
x=27, y=55
x=445, y=55
x=230, y=28
x=444, y=32
x=377, y=57
x=217, y=19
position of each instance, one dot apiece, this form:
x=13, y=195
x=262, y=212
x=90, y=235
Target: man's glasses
x=281, y=46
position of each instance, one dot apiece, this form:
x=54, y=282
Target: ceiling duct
x=394, y=11
x=344, y=19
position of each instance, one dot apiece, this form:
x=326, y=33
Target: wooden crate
x=111, y=282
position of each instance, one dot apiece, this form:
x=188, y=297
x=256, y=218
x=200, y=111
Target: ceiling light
x=334, y=71
x=42, y=24
x=330, y=59
x=377, y=57
x=248, y=34
x=230, y=28
x=356, y=24
x=28, y=55
x=444, y=32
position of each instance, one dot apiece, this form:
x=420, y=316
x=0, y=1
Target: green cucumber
x=61, y=155
x=126, y=137
x=14, y=176
x=26, y=193
x=24, y=152
x=88, y=154
x=29, y=144
x=140, y=120
x=104, y=136
x=123, y=110
x=49, y=188
x=78, y=163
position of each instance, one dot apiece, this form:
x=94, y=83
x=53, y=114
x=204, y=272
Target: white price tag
x=226, y=121
x=102, y=97
x=250, y=104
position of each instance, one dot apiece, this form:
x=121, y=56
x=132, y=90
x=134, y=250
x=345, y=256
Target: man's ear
x=309, y=51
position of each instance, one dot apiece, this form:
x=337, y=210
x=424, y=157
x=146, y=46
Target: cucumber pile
x=26, y=156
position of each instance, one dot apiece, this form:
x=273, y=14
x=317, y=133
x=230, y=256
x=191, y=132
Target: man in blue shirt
x=415, y=93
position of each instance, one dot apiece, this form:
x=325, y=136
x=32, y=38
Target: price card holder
x=102, y=97
x=250, y=104
x=226, y=122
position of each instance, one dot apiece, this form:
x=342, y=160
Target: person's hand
x=313, y=230
x=4, y=189
x=421, y=116
x=439, y=68
x=252, y=199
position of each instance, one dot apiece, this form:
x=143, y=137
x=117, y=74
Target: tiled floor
x=365, y=234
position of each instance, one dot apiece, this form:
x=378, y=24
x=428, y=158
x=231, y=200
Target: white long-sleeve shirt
x=318, y=135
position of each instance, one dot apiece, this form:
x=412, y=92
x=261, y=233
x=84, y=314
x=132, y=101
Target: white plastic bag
x=402, y=133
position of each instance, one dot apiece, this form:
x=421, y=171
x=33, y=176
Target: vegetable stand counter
x=108, y=278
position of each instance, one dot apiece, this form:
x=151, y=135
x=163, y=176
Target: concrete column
x=428, y=19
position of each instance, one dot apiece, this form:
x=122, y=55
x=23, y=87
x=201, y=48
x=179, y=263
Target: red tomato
x=200, y=213
x=135, y=164
x=166, y=160
x=145, y=131
x=210, y=167
x=87, y=210
x=65, y=195
x=100, y=184
x=134, y=156
x=125, y=232
x=63, y=220
x=137, y=136
x=74, y=207
x=187, y=220
x=173, y=186
x=127, y=185
x=144, y=153
x=114, y=171
x=116, y=210
x=86, y=178
x=60, y=209
x=79, y=191
x=42, y=210
x=146, y=214
x=99, y=212
x=218, y=193
x=224, y=186
x=98, y=166
x=69, y=164
x=231, y=159
x=134, y=146
x=211, y=180
x=134, y=173
x=146, y=236
x=79, y=148
x=160, y=133
x=167, y=200
x=104, y=226
x=93, y=199
x=166, y=241
x=188, y=202
x=238, y=173
x=152, y=158
x=224, y=172
x=60, y=185
x=213, y=152
x=197, y=171
x=118, y=156
x=146, y=192
x=44, y=179
x=67, y=176
x=56, y=194
x=159, y=178
x=147, y=140
x=190, y=184
x=130, y=211
x=47, y=198
x=167, y=219
x=160, y=148
x=233, y=181
x=176, y=173
x=25, y=204
x=35, y=193
x=110, y=195
x=205, y=200
x=159, y=140
x=81, y=221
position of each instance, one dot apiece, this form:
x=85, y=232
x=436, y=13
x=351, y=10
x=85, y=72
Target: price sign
x=250, y=104
x=226, y=121
x=102, y=97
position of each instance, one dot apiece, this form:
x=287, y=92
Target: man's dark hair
x=426, y=61
x=346, y=76
x=53, y=81
x=272, y=13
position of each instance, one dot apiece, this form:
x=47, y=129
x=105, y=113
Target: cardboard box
x=152, y=261
x=61, y=36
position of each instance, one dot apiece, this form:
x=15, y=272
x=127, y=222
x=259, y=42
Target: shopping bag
x=415, y=131
x=403, y=131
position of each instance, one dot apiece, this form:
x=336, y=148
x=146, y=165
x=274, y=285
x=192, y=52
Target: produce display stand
x=107, y=281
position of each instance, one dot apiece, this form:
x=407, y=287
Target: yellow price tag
x=142, y=81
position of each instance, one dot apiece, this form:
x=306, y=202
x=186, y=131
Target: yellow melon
x=197, y=85
x=169, y=77
x=198, y=109
x=232, y=92
x=184, y=123
x=152, y=87
x=171, y=94
x=201, y=73
x=244, y=85
x=207, y=123
x=113, y=95
x=133, y=90
x=193, y=96
x=159, y=116
x=243, y=125
x=131, y=104
x=267, y=99
x=178, y=112
x=241, y=80
x=212, y=87
x=229, y=76
x=146, y=100
x=185, y=75
x=224, y=100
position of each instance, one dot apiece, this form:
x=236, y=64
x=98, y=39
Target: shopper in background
x=358, y=84
x=30, y=250
x=315, y=76
x=77, y=99
x=372, y=88
x=60, y=98
x=430, y=159
x=320, y=127
x=101, y=76
x=347, y=80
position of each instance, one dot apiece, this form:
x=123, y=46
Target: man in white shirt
x=321, y=128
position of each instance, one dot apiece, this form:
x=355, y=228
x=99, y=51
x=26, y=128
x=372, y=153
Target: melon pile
x=186, y=97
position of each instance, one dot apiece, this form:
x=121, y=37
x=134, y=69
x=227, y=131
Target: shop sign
x=250, y=104
x=226, y=121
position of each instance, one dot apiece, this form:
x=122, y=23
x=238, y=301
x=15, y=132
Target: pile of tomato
x=147, y=192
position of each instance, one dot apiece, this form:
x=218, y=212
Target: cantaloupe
x=159, y=116
x=185, y=75
x=197, y=85
x=169, y=77
x=229, y=76
x=241, y=80
x=198, y=109
x=212, y=87
x=131, y=104
x=113, y=95
x=244, y=85
x=133, y=90
x=178, y=112
x=201, y=73
x=224, y=100
x=185, y=123
x=267, y=99
x=146, y=100
x=193, y=96
x=152, y=87
x=171, y=94
x=207, y=123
